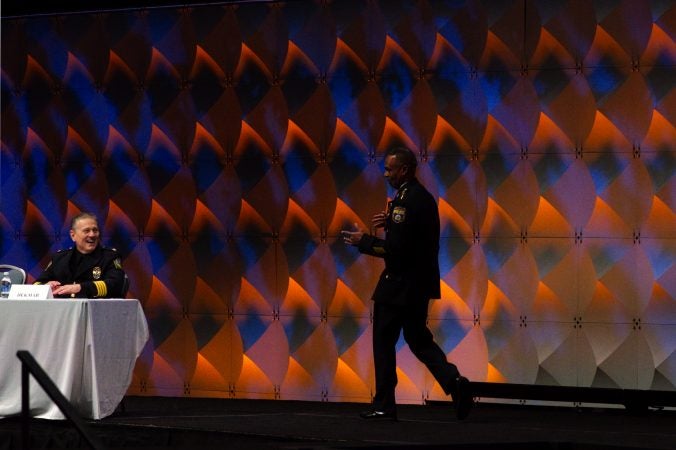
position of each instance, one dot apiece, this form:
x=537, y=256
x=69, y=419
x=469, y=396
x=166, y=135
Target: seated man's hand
x=65, y=289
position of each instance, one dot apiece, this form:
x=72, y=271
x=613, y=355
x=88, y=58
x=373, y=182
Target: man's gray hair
x=83, y=215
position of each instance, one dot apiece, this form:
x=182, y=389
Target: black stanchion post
x=25, y=407
x=29, y=364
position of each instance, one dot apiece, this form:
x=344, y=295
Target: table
x=87, y=347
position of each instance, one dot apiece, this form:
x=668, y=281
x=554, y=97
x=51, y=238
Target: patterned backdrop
x=223, y=147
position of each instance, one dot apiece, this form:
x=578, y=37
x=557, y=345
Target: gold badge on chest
x=399, y=214
x=96, y=273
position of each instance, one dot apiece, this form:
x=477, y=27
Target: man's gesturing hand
x=352, y=237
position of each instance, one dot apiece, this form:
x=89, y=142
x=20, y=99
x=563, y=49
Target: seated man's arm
x=49, y=275
x=109, y=283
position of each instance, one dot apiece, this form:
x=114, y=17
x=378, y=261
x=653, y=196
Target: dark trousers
x=388, y=322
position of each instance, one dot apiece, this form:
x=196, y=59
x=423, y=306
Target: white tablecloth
x=87, y=347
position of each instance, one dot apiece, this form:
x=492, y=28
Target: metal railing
x=30, y=366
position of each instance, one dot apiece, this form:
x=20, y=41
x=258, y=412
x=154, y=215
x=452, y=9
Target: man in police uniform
x=88, y=270
x=409, y=281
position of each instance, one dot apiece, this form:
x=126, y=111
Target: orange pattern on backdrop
x=224, y=148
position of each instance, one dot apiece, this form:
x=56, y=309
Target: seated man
x=88, y=270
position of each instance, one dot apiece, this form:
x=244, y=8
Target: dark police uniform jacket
x=410, y=247
x=99, y=273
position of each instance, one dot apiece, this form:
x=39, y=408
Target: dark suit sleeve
x=46, y=275
x=401, y=234
x=395, y=246
x=49, y=273
x=111, y=282
x=372, y=245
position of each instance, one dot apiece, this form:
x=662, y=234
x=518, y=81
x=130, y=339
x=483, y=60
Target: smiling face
x=85, y=234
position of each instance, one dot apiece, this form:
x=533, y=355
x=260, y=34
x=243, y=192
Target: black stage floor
x=189, y=423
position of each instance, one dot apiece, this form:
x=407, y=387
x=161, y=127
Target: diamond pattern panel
x=224, y=147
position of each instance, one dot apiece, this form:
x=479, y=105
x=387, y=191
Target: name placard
x=30, y=292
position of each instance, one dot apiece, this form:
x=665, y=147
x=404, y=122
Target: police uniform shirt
x=410, y=248
x=98, y=273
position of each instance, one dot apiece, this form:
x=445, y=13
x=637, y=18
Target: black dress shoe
x=462, y=398
x=374, y=414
